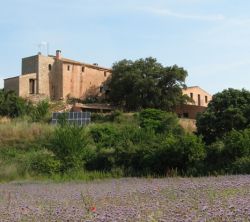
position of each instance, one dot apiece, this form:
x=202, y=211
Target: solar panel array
x=78, y=118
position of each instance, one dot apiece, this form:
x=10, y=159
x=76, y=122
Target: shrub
x=69, y=145
x=237, y=144
x=43, y=163
x=241, y=165
x=159, y=121
x=215, y=159
x=224, y=155
x=105, y=137
x=13, y=106
x=40, y=111
x=185, y=154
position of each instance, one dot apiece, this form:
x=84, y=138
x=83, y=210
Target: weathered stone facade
x=200, y=97
x=57, y=78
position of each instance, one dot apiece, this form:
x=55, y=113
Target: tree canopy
x=145, y=83
x=229, y=109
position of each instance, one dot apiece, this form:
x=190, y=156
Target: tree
x=13, y=106
x=145, y=83
x=229, y=109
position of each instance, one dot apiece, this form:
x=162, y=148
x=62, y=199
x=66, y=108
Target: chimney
x=58, y=54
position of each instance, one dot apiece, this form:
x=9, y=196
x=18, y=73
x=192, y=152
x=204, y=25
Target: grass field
x=224, y=198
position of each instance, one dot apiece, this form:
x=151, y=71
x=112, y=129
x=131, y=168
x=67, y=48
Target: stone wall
x=12, y=84
x=81, y=81
x=189, y=111
x=24, y=90
x=44, y=74
x=55, y=81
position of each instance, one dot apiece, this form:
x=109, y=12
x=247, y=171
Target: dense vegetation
x=145, y=83
x=149, y=142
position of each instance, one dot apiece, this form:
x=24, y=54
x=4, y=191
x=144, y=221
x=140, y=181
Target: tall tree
x=229, y=109
x=145, y=83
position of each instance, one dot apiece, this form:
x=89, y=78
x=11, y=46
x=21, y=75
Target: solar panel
x=78, y=118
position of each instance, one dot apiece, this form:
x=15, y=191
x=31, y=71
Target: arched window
x=50, y=67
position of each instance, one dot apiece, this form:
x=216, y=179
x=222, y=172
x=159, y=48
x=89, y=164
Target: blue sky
x=209, y=38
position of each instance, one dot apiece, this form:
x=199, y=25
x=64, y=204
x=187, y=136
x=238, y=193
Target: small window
x=50, y=67
x=206, y=99
x=199, y=99
x=101, y=89
x=68, y=67
x=105, y=74
x=191, y=95
x=185, y=115
x=83, y=68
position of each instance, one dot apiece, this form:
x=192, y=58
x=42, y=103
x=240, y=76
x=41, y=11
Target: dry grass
x=4, y=119
x=16, y=131
x=188, y=125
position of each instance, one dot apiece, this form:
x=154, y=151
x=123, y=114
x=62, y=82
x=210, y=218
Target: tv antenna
x=43, y=46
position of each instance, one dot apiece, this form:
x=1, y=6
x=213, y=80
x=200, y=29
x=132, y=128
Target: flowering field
x=171, y=199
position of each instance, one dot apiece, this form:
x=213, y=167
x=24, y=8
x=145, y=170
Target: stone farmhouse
x=57, y=78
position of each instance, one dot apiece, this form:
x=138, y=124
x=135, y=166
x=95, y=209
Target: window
x=199, y=99
x=68, y=67
x=101, y=89
x=206, y=99
x=32, y=86
x=185, y=115
x=191, y=95
x=50, y=67
x=83, y=68
x=105, y=74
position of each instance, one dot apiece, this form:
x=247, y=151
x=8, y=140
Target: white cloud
x=166, y=12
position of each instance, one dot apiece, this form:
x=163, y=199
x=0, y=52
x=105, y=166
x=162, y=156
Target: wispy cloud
x=169, y=13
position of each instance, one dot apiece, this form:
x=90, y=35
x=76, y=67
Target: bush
x=44, y=163
x=241, y=165
x=69, y=145
x=40, y=111
x=13, y=106
x=224, y=155
x=159, y=121
x=215, y=159
x=237, y=144
x=185, y=154
x=141, y=151
x=104, y=137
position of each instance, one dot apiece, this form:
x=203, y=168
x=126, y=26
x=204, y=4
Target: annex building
x=57, y=78
x=200, y=98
